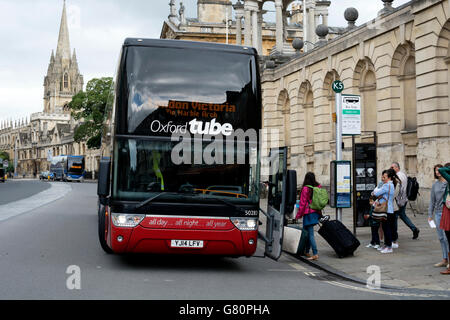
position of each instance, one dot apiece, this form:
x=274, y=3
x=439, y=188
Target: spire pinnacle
x=63, y=48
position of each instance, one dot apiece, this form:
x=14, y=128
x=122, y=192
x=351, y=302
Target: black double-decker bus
x=181, y=159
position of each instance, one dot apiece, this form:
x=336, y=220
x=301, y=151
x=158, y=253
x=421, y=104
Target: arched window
x=66, y=81
x=284, y=107
x=365, y=79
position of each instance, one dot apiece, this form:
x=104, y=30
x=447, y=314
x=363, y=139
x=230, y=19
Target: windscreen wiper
x=145, y=202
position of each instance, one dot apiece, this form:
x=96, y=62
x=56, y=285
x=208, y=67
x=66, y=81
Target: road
x=37, y=247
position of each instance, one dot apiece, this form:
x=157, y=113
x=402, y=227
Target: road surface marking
x=283, y=270
x=297, y=266
x=383, y=292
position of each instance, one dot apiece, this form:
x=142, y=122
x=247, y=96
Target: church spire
x=63, y=49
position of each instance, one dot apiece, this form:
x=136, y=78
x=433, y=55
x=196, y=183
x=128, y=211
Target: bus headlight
x=245, y=224
x=126, y=220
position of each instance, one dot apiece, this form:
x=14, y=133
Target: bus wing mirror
x=104, y=178
x=291, y=195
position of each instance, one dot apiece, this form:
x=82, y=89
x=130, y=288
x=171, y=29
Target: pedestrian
x=435, y=208
x=445, y=220
x=310, y=217
x=386, y=194
x=402, y=200
x=374, y=224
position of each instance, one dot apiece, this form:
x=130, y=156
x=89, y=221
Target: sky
x=29, y=32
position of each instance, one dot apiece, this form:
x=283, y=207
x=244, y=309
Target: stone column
x=255, y=29
x=279, y=28
x=316, y=23
x=238, y=30
x=239, y=11
x=260, y=23
x=248, y=27
x=325, y=19
x=311, y=23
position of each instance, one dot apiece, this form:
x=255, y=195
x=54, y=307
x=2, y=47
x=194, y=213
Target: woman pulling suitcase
x=310, y=217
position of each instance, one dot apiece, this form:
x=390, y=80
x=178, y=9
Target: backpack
x=412, y=189
x=319, y=198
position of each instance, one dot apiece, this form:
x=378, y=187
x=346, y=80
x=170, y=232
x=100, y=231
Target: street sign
x=5, y=163
x=338, y=86
x=351, y=115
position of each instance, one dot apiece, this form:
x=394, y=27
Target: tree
x=4, y=155
x=89, y=107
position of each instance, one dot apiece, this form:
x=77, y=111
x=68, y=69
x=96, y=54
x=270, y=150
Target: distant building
x=30, y=141
x=247, y=26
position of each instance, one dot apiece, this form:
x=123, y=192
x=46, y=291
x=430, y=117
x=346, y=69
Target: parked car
x=46, y=175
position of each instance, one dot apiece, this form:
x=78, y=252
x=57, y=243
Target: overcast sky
x=29, y=32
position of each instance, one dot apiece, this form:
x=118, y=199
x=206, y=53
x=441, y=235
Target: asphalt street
x=38, y=247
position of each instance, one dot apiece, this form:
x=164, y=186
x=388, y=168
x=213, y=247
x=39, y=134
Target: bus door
x=281, y=199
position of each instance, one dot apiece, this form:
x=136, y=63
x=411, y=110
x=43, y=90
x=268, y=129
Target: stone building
x=399, y=65
x=248, y=26
x=29, y=141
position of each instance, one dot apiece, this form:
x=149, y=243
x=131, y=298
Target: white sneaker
x=387, y=250
x=370, y=246
x=377, y=246
x=381, y=248
x=394, y=245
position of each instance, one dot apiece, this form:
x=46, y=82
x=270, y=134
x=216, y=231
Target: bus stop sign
x=338, y=86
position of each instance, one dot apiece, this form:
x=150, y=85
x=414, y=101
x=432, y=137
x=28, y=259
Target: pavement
x=410, y=266
x=49, y=192
x=14, y=190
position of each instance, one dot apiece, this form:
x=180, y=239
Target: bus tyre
x=101, y=231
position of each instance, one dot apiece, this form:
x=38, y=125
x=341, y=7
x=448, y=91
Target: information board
x=340, y=186
x=365, y=179
x=351, y=114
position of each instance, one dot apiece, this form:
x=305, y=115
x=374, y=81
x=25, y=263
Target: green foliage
x=90, y=107
x=4, y=155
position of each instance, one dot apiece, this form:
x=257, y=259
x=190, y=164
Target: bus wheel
x=101, y=231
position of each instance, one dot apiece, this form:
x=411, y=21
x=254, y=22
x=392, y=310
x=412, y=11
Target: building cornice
x=353, y=38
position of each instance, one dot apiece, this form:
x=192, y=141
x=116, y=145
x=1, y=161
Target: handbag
x=380, y=210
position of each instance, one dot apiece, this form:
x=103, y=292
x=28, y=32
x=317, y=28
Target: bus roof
x=167, y=43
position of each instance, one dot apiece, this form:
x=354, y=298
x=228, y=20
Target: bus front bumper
x=232, y=242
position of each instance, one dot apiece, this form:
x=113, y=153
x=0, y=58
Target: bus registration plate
x=186, y=244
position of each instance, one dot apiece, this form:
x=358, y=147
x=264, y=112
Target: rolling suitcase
x=339, y=238
x=295, y=240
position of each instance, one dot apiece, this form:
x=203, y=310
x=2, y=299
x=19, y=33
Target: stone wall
x=398, y=63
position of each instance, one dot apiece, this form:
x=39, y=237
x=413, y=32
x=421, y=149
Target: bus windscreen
x=145, y=168
x=164, y=89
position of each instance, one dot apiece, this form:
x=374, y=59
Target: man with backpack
x=402, y=200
